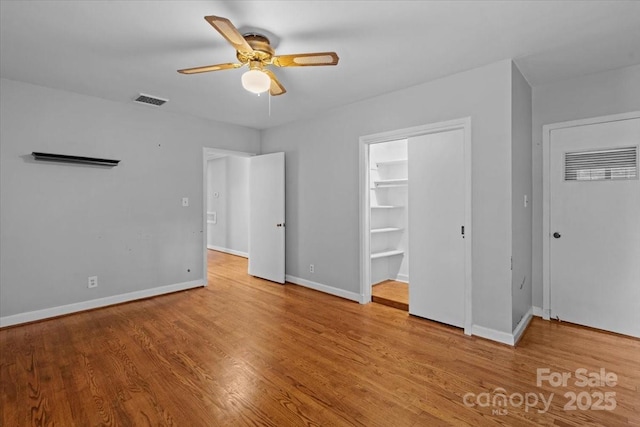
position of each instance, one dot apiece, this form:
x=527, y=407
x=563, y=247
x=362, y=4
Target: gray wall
x=61, y=223
x=229, y=177
x=594, y=95
x=322, y=181
x=521, y=185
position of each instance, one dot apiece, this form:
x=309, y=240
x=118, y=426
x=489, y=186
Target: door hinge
x=511, y=263
x=462, y=231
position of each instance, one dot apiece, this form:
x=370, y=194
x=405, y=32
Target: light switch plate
x=185, y=201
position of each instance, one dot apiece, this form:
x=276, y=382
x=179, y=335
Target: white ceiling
x=117, y=49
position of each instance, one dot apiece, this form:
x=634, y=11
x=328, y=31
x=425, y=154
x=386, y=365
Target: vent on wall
x=150, y=100
x=598, y=165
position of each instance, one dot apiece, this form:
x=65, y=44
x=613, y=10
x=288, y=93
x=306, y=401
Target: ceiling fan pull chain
x=269, y=95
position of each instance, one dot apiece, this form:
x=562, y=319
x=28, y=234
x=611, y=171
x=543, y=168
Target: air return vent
x=598, y=165
x=150, y=100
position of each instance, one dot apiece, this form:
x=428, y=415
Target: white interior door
x=436, y=216
x=266, y=217
x=595, y=226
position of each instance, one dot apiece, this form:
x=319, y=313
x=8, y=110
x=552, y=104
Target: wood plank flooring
x=391, y=293
x=244, y=351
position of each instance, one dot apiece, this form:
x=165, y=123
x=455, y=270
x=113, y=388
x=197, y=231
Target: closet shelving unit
x=398, y=182
x=386, y=254
x=385, y=230
x=387, y=180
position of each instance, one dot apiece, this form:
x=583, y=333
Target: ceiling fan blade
x=207, y=68
x=276, y=87
x=229, y=32
x=306, y=59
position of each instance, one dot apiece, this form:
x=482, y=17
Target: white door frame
x=210, y=154
x=365, y=200
x=546, y=195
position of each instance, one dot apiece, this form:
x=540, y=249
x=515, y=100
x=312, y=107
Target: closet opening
x=415, y=230
x=388, y=185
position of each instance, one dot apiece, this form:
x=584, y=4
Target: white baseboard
x=492, y=334
x=228, y=251
x=46, y=313
x=402, y=278
x=522, y=326
x=504, y=337
x=537, y=311
x=353, y=296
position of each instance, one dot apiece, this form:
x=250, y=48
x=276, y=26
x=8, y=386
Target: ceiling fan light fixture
x=255, y=51
x=256, y=81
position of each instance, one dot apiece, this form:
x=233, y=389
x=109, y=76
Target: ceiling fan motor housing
x=262, y=50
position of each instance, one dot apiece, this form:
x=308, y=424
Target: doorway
x=423, y=287
x=592, y=232
x=228, y=204
x=212, y=217
x=258, y=215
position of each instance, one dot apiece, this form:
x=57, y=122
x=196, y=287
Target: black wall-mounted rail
x=74, y=159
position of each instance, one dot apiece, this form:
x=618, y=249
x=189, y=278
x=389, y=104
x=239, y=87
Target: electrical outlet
x=92, y=282
x=185, y=201
x=311, y=268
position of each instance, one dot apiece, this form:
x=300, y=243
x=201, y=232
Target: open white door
x=266, y=217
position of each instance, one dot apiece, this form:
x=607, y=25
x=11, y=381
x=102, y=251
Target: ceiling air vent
x=150, y=100
x=598, y=165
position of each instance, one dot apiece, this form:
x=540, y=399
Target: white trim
x=46, y=313
x=406, y=133
x=365, y=238
x=216, y=153
x=205, y=216
x=365, y=223
x=546, y=195
x=402, y=278
x=522, y=326
x=210, y=154
x=537, y=311
x=492, y=334
x=353, y=296
x=228, y=251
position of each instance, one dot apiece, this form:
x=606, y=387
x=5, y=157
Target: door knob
x=556, y=235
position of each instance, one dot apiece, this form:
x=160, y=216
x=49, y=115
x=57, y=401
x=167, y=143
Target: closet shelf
x=391, y=183
x=387, y=207
x=385, y=230
x=386, y=254
x=392, y=162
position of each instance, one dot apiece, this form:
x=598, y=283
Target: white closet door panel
x=436, y=215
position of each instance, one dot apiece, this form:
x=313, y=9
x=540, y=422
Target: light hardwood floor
x=391, y=293
x=244, y=351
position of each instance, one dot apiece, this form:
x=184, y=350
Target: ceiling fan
x=255, y=51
